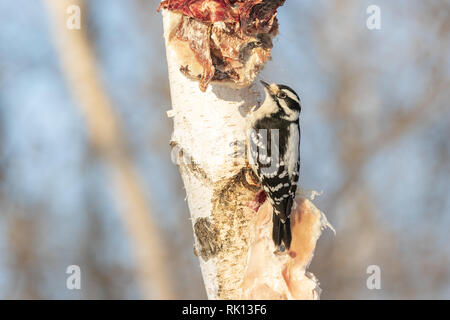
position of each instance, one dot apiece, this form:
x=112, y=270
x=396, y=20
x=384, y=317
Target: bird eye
x=281, y=95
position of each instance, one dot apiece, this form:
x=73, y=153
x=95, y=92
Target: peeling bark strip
x=231, y=222
x=283, y=276
x=223, y=40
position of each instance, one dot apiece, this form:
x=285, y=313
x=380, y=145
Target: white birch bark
x=206, y=125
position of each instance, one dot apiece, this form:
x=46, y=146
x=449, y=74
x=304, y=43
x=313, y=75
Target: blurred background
x=84, y=135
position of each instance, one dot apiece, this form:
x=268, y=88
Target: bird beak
x=270, y=89
x=265, y=84
x=267, y=88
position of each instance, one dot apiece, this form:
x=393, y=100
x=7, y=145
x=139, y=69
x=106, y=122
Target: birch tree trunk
x=232, y=240
x=206, y=126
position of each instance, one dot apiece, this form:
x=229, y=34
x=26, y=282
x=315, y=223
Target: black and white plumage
x=274, y=153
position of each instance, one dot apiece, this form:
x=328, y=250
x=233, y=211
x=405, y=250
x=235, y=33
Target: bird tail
x=281, y=232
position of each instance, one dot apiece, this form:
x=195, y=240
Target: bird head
x=285, y=98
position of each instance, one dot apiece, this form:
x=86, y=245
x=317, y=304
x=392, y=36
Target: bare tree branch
x=79, y=66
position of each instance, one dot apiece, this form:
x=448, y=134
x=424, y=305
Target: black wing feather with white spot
x=278, y=185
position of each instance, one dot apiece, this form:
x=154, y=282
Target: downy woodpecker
x=274, y=154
